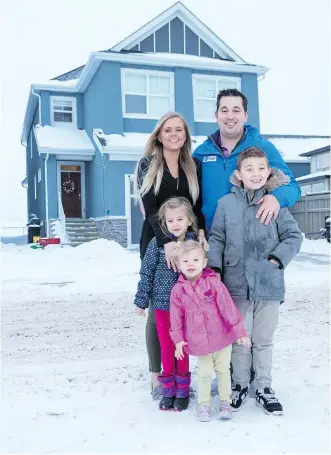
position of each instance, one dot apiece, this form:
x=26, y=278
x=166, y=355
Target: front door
x=71, y=194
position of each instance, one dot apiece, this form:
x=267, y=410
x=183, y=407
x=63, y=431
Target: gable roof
x=317, y=151
x=188, y=18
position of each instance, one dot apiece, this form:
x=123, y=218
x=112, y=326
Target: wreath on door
x=68, y=186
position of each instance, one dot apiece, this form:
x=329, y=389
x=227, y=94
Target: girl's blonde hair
x=189, y=245
x=154, y=175
x=176, y=203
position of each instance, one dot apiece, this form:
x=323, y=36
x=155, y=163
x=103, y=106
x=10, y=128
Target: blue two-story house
x=85, y=130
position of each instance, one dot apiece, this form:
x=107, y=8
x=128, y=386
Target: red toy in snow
x=44, y=241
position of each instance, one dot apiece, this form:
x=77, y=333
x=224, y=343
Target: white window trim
x=125, y=71
x=39, y=175
x=35, y=186
x=74, y=109
x=204, y=77
x=31, y=152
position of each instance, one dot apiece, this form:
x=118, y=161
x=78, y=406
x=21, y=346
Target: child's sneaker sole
x=274, y=413
x=224, y=416
x=242, y=403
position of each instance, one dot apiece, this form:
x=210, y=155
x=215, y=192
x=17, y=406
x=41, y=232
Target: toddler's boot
x=168, y=392
x=182, y=392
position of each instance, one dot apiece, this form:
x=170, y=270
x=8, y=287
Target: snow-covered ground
x=74, y=370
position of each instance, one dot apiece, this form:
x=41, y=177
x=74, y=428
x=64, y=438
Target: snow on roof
x=64, y=137
x=315, y=175
x=133, y=141
x=290, y=148
x=57, y=83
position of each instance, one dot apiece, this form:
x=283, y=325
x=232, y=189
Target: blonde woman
x=166, y=170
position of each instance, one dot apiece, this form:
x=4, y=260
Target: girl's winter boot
x=168, y=392
x=182, y=392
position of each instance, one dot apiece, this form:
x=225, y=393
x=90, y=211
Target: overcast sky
x=42, y=39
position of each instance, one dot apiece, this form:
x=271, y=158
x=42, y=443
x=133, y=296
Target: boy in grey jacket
x=251, y=257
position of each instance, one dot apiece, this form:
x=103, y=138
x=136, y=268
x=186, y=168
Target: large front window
x=147, y=94
x=205, y=90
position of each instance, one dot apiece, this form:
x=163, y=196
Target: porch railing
x=62, y=218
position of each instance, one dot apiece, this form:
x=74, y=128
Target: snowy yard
x=74, y=369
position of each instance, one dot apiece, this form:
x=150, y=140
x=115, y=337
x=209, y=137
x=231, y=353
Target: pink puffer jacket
x=203, y=314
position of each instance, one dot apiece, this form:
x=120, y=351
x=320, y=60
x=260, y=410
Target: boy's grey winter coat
x=240, y=244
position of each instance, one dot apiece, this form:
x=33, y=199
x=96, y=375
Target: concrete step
x=82, y=230
x=80, y=225
x=87, y=237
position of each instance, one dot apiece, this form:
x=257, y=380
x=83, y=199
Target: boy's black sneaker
x=238, y=397
x=181, y=404
x=167, y=403
x=268, y=401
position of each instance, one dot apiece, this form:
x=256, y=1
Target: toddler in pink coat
x=205, y=323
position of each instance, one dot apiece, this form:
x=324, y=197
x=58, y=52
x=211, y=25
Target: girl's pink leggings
x=170, y=365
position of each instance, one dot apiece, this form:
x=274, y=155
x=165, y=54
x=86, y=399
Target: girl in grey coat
x=251, y=257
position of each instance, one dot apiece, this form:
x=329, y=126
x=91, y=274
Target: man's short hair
x=251, y=152
x=231, y=92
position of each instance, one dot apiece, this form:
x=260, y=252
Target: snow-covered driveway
x=74, y=374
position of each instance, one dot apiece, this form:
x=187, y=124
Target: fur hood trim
x=276, y=178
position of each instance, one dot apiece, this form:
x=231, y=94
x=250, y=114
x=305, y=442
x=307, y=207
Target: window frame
x=35, y=186
x=198, y=76
x=74, y=109
x=147, y=73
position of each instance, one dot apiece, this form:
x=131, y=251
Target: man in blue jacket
x=219, y=154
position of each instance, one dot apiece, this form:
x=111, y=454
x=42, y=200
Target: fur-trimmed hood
x=276, y=178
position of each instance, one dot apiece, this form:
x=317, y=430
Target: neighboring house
x=85, y=130
x=318, y=179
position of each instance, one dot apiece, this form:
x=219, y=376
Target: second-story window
x=205, y=90
x=63, y=110
x=147, y=94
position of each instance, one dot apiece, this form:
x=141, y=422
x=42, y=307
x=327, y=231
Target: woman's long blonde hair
x=154, y=147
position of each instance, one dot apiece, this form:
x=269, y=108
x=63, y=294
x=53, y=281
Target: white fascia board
x=65, y=152
x=193, y=63
x=127, y=155
x=73, y=157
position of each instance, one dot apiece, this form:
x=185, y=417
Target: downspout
x=46, y=196
x=39, y=104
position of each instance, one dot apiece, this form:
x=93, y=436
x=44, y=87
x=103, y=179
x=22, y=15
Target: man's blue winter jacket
x=217, y=170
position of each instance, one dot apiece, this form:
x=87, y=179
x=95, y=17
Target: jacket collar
x=207, y=272
x=276, y=179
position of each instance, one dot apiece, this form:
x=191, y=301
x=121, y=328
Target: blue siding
x=147, y=45
x=192, y=42
x=299, y=169
x=45, y=108
x=134, y=125
x=115, y=185
x=103, y=102
x=205, y=50
x=183, y=95
x=35, y=163
x=177, y=36
x=250, y=88
x=80, y=111
x=162, y=39
x=103, y=109
x=134, y=48
x=52, y=187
